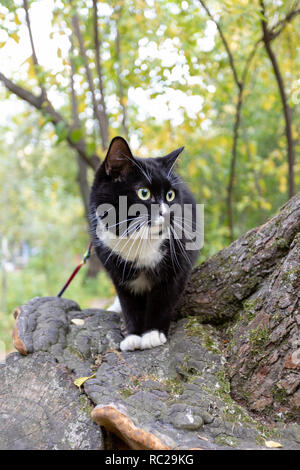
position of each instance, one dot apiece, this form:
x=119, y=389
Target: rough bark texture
x=264, y=352
x=219, y=286
x=176, y=396
x=41, y=408
x=254, y=284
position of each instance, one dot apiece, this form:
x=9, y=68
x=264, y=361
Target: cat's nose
x=163, y=210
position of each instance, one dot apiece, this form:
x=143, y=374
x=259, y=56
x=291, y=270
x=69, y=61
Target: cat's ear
x=119, y=160
x=169, y=160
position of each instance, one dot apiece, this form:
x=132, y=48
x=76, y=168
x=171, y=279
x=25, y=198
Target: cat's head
x=149, y=185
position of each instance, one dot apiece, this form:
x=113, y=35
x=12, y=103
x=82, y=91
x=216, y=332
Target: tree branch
x=34, y=56
x=225, y=43
x=42, y=104
x=282, y=24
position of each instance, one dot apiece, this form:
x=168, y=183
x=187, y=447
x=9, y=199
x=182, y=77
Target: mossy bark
x=253, y=288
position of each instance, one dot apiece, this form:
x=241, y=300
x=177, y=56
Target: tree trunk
x=267, y=38
x=251, y=289
x=41, y=409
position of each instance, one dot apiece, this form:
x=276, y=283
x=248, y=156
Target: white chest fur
x=139, y=248
x=140, y=285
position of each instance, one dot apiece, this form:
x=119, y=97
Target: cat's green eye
x=170, y=195
x=143, y=193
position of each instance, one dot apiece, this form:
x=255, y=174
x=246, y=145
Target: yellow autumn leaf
x=192, y=168
x=253, y=146
x=282, y=184
x=265, y=205
x=273, y=444
x=54, y=186
x=206, y=192
x=2, y=44
x=81, y=107
x=17, y=21
x=15, y=37
x=31, y=69
x=81, y=380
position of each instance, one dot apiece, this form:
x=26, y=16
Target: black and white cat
x=143, y=247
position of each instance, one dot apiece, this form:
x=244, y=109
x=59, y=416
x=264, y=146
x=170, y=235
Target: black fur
x=123, y=174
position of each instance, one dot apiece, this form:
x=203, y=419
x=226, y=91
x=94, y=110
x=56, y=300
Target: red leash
x=86, y=256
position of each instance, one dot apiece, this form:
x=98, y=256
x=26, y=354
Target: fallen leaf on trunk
x=273, y=444
x=80, y=381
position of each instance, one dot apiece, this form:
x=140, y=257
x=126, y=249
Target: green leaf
x=61, y=131
x=76, y=135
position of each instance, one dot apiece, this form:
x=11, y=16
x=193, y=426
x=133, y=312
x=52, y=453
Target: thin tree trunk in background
x=119, y=78
x=100, y=75
x=94, y=264
x=34, y=56
x=98, y=113
x=3, y=288
x=267, y=37
x=240, y=84
x=81, y=164
x=255, y=174
x=4, y=257
x=233, y=163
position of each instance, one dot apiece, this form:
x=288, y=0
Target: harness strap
x=86, y=256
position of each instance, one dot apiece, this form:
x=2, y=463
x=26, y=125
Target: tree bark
x=41, y=409
x=219, y=286
x=251, y=290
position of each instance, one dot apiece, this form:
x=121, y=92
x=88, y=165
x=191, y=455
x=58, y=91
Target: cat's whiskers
x=192, y=231
x=173, y=251
x=170, y=243
x=131, y=239
x=135, y=255
x=131, y=219
x=140, y=245
x=120, y=240
x=182, y=249
x=128, y=254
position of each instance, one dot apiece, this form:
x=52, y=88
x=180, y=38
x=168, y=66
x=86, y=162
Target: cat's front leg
x=161, y=303
x=133, y=307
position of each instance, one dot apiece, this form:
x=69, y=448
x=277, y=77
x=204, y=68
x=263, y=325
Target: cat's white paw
x=130, y=343
x=152, y=339
x=115, y=307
